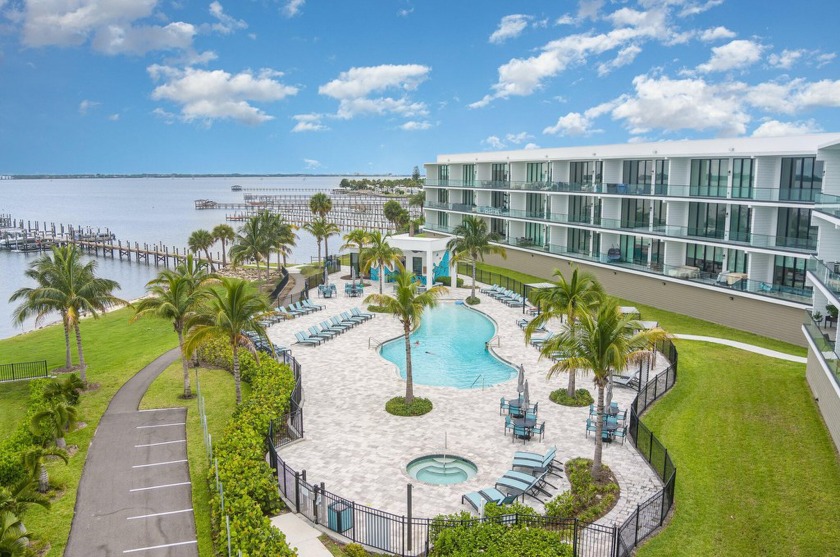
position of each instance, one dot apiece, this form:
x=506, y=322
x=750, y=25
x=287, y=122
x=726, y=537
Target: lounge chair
x=310, y=304
x=525, y=477
x=345, y=315
x=300, y=307
x=303, y=338
x=338, y=322
x=488, y=289
x=326, y=326
x=515, y=486
x=524, y=459
x=326, y=335
x=535, y=456
x=289, y=313
x=356, y=312
x=539, y=341
x=477, y=499
x=626, y=381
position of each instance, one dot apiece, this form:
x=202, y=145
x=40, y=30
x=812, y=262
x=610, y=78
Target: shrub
x=250, y=489
x=473, y=300
x=447, y=281
x=398, y=407
x=582, y=397
x=355, y=550
x=587, y=500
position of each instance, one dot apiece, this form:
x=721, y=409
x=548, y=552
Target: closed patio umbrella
x=525, y=397
x=520, y=380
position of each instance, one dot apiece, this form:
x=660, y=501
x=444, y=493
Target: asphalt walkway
x=745, y=346
x=135, y=495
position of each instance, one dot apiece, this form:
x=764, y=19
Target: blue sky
x=340, y=86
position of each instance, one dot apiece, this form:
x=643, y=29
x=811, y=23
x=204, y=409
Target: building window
x=794, y=230
x=468, y=174
x=498, y=228
x=534, y=233
x=443, y=219
x=585, y=172
x=443, y=175
x=443, y=196
x=789, y=272
x=579, y=208
x=468, y=197
x=635, y=213
x=709, y=177
x=659, y=212
x=742, y=178
x=736, y=261
x=801, y=179
x=534, y=205
x=634, y=249
x=708, y=259
x=578, y=240
x=707, y=220
x=534, y=172
x=498, y=173
x=739, y=223
x=499, y=200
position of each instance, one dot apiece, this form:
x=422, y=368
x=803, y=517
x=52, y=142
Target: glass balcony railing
x=801, y=245
x=826, y=273
x=774, y=194
x=825, y=347
x=723, y=280
x=828, y=204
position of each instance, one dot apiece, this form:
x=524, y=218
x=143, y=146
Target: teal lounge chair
x=539, y=341
x=314, y=332
x=477, y=499
x=347, y=317
x=303, y=338
x=356, y=312
x=325, y=325
x=299, y=307
x=338, y=322
x=522, y=476
x=537, y=465
x=310, y=304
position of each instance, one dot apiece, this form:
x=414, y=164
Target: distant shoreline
x=176, y=175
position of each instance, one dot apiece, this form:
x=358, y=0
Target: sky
x=381, y=86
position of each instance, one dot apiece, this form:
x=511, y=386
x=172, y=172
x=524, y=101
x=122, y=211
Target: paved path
x=135, y=496
x=747, y=347
x=301, y=535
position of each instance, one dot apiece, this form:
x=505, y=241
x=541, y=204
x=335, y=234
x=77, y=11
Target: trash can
x=339, y=517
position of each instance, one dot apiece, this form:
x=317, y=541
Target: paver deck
x=361, y=452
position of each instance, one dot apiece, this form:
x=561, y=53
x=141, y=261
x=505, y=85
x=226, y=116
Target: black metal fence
x=23, y=370
x=491, y=278
x=408, y=536
x=284, y=281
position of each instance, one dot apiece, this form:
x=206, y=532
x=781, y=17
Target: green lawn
x=219, y=402
x=13, y=397
x=115, y=350
x=757, y=473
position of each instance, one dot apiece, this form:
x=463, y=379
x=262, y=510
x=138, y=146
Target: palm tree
x=173, y=296
x=71, y=287
x=20, y=495
x=473, y=241
x=202, y=240
x=250, y=244
x=223, y=233
x=34, y=462
x=66, y=390
x=278, y=234
x=14, y=539
x=320, y=204
x=356, y=238
x=194, y=270
x=321, y=229
x=565, y=301
x=286, y=239
x=416, y=200
x=602, y=341
x=382, y=253
x=407, y=306
x=330, y=229
x=231, y=311
x=54, y=421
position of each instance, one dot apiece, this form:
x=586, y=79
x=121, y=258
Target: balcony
x=828, y=204
x=821, y=338
x=773, y=194
x=827, y=273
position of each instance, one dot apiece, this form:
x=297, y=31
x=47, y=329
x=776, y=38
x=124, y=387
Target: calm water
x=451, y=350
x=143, y=210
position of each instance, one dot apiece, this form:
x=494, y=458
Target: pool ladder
x=476, y=381
x=498, y=340
x=377, y=342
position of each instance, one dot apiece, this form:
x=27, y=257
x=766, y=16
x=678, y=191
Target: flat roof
x=721, y=147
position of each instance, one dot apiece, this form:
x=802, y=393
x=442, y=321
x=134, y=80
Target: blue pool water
x=452, y=350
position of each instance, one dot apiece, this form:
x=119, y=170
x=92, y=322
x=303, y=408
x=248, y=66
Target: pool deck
x=360, y=451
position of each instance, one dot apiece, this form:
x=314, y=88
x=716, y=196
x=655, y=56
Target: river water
x=143, y=210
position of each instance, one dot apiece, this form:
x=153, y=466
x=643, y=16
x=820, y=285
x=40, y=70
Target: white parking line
x=159, y=425
x=159, y=514
x=157, y=486
x=159, y=546
x=157, y=409
x=159, y=463
x=161, y=443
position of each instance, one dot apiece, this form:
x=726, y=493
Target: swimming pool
x=448, y=350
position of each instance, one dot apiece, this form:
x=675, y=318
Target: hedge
x=250, y=490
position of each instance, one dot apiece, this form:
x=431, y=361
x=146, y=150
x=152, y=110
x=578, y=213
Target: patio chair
x=535, y=456
x=591, y=425
x=539, y=428
x=621, y=432
x=356, y=312
x=347, y=317
x=520, y=431
x=303, y=338
x=503, y=406
x=335, y=320
x=327, y=335
x=515, y=486
x=525, y=477
x=508, y=424
x=289, y=314
x=310, y=304
x=488, y=289
x=544, y=463
x=477, y=499
x=326, y=326
x=300, y=307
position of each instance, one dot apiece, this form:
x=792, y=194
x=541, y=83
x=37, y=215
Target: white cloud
x=572, y=124
x=116, y=39
x=624, y=57
x=293, y=7
x=86, y=105
x=731, y=56
x=114, y=117
x=413, y=125
x=517, y=138
x=716, y=33
x=824, y=59
x=493, y=142
x=531, y=146
x=774, y=128
x=786, y=59
x=311, y=163
x=405, y=12
x=795, y=95
x=588, y=9
x=565, y=19
x=693, y=8
x=510, y=27
x=167, y=117
x=226, y=24
x=353, y=90
x=210, y=95
x=308, y=123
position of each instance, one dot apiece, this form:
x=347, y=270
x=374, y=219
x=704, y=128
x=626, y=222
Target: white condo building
x=740, y=231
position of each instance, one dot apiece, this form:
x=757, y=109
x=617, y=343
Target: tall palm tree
x=278, y=234
x=250, y=243
x=473, y=241
x=407, y=306
x=66, y=390
x=223, y=233
x=194, y=270
x=416, y=200
x=321, y=229
x=286, y=239
x=382, y=253
x=202, y=240
x=330, y=229
x=34, y=463
x=320, y=204
x=603, y=341
x=565, y=301
x=175, y=297
x=356, y=238
x=232, y=311
x=54, y=421
x=71, y=287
